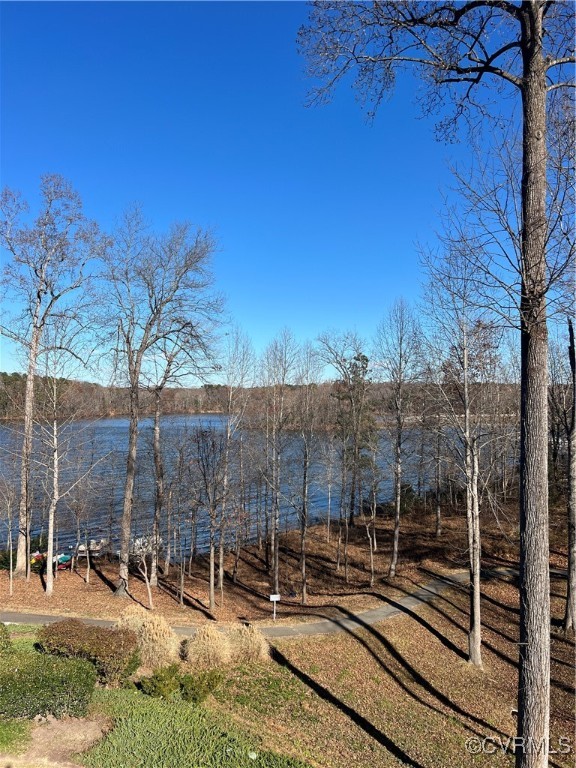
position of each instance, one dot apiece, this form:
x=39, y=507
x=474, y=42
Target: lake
x=92, y=503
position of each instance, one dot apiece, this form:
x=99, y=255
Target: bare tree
x=397, y=352
x=462, y=348
x=46, y=275
x=278, y=371
x=59, y=439
x=462, y=47
x=209, y=458
x=343, y=352
x=238, y=373
x=157, y=294
x=306, y=422
x=570, y=614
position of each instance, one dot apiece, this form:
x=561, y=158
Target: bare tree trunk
x=88, y=561
x=329, y=512
x=304, y=524
x=472, y=512
x=570, y=612
x=159, y=492
x=11, y=559
x=341, y=513
x=367, y=524
x=143, y=568
x=221, y=563
x=534, y=677
x=52, y=509
x=126, y=522
x=22, y=568
x=438, y=487
x=475, y=633
x=275, y=531
x=211, y=577
x=397, y=504
x=168, y=553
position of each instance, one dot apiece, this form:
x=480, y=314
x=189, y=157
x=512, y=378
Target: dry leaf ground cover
x=329, y=593
x=401, y=692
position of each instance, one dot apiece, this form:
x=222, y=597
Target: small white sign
x=274, y=598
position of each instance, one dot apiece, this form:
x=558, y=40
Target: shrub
x=5, y=642
x=169, y=684
x=114, y=652
x=164, y=683
x=195, y=688
x=35, y=684
x=208, y=649
x=157, y=643
x=247, y=644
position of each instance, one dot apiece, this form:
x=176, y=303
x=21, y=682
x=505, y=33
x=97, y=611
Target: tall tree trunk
x=52, y=510
x=534, y=674
x=438, y=486
x=159, y=492
x=570, y=613
x=168, y=552
x=88, y=562
x=329, y=511
x=397, y=503
x=126, y=523
x=341, y=510
x=472, y=513
x=22, y=568
x=304, y=524
x=475, y=632
x=212, y=556
x=221, y=543
x=275, y=528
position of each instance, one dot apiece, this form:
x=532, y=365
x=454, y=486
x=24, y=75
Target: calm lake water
x=94, y=502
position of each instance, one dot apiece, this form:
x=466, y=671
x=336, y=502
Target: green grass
x=270, y=689
x=14, y=735
x=22, y=629
x=23, y=643
x=22, y=636
x=151, y=733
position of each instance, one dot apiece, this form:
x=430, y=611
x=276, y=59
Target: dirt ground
x=54, y=743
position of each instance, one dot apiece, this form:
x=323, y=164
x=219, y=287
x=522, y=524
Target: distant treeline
x=82, y=399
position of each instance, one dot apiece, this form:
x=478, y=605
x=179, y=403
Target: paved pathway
x=393, y=607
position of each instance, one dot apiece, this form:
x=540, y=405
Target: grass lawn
x=159, y=734
x=14, y=735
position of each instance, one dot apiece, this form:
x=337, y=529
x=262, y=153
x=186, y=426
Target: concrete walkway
x=346, y=622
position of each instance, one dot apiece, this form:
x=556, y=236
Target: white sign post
x=274, y=599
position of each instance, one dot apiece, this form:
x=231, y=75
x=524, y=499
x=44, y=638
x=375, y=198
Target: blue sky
x=197, y=111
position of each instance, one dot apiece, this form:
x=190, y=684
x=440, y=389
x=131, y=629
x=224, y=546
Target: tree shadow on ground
x=490, y=606
x=190, y=602
x=103, y=578
x=356, y=717
x=418, y=679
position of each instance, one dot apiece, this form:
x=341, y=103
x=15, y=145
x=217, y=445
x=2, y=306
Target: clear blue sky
x=197, y=111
